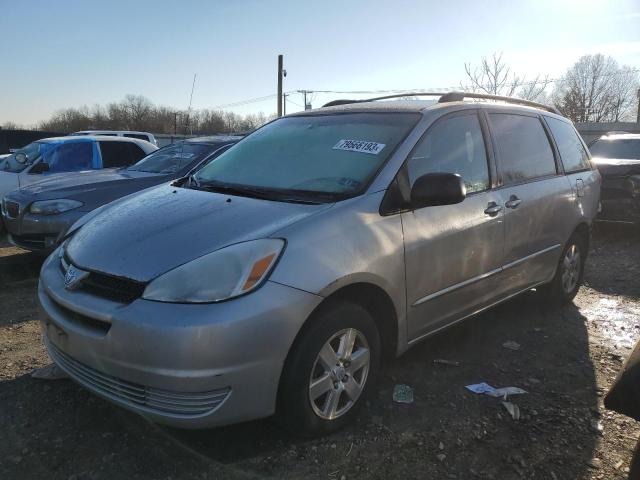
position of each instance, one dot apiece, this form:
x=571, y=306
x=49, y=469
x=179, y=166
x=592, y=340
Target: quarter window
x=138, y=136
x=136, y=152
x=453, y=145
x=572, y=153
x=523, y=147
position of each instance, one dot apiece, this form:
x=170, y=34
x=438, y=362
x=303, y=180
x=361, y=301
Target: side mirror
x=435, y=189
x=21, y=158
x=40, y=167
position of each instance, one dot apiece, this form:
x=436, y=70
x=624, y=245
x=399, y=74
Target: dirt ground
x=566, y=361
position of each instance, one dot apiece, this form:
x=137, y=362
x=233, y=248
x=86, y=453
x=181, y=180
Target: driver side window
x=70, y=157
x=453, y=145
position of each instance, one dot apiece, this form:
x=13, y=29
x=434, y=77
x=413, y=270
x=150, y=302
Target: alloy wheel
x=339, y=374
x=571, y=266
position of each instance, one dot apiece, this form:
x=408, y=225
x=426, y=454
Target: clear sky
x=68, y=53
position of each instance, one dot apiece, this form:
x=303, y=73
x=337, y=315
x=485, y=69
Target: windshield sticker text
x=374, y=148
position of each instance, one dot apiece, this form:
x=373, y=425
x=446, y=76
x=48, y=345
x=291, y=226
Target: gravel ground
x=566, y=361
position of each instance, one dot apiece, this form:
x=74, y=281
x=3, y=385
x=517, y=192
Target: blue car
x=57, y=155
x=37, y=216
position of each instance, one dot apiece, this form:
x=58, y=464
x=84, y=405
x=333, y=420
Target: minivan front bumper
x=184, y=365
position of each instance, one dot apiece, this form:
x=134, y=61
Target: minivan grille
x=184, y=404
x=114, y=288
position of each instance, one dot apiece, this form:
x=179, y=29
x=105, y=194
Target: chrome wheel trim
x=571, y=266
x=339, y=374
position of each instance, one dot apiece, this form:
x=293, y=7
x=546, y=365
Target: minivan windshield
x=317, y=157
x=620, y=148
x=22, y=158
x=171, y=158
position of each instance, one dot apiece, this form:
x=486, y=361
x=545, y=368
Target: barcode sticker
x=373, y=148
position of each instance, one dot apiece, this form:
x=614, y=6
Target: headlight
x=219, y=275
x=51, y=207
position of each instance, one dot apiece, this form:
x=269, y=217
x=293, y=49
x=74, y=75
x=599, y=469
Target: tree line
x=136, y=112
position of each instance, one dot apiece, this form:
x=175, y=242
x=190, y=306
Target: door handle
x=493, y=209
x=513, y=202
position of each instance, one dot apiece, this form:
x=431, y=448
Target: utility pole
x=638, y=116
x=304, y=93
x=280, y=75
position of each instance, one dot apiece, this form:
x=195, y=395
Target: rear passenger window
x=116, y=154
x=523, y=147
x=453, y=145
x=572, y=153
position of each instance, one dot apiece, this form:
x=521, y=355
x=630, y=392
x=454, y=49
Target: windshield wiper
x=253, y=192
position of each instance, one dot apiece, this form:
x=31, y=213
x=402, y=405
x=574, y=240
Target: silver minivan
x=277, y=278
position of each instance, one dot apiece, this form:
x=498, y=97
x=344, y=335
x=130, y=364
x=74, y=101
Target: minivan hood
x=164, y=227
x=617, y=167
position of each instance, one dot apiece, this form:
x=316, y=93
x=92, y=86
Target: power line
x=392, y=91
x=246, y=102
x=458, y=87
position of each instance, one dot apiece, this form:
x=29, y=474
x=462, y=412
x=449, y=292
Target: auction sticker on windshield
x=373, y=148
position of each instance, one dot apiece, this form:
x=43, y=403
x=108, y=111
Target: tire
x=341, y=382
x=634, y=472
x=569, y=272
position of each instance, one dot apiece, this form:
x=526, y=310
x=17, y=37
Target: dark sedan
x=37, y=216
x=618, y=159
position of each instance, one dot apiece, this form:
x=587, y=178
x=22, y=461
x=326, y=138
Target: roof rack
x=450, y=97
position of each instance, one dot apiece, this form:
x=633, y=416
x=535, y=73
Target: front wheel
x=569, y=273
x=330, y=370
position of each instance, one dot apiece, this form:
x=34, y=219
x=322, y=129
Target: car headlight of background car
x=219, y=275
x=51, y=207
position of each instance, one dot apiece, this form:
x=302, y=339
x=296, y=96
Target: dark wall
x=12, y=139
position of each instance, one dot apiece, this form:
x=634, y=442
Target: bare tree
x=624, y=96
x=136, y=112
x=596, y=89
x=495, y=77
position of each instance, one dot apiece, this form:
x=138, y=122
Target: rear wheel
x=330, y=371
x=569, y=273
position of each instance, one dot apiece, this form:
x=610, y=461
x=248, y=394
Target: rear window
x=572, y=153
x=523, y=147
x=628, y=148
